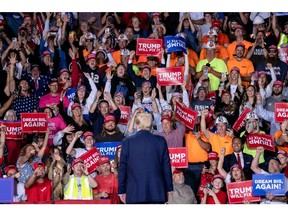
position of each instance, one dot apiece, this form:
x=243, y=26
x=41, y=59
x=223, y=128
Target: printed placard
x=272, y=183
x=13, y=131
x=169, y=76
x=280, y=112
x=148, y=47
x=185, y=115
x=125, y=114
x=265, y=140
x=34, y=122
x=239, y=191
x=178, y=157
x=6, y=190
x=174, y=44
x=283, y=54
x=107, y=148
x=240, y=122
x=90, y=159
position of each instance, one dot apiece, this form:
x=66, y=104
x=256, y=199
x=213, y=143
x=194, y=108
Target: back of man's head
x=143, y=121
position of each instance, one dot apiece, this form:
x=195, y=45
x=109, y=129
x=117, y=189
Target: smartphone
x=53, y=33
x=209, y=185
x=207, y=165
x=125, y=52
x=208, y=64
x=35, y=139
x=14, y=39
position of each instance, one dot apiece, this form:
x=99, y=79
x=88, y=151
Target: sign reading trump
x=175, y=43
x=178, y=157
x=148, y=47
x=255, y=140
x=34, y=122
x=240, y=122
x=239, y=191
x=169, y=76
x=107, y=148
x=268, y=183
x=13, y=131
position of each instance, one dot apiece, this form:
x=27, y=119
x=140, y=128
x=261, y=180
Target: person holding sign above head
x=107, y=184
x=224, y=136
x=79, y=185
x=213, y=193
x=273, y=168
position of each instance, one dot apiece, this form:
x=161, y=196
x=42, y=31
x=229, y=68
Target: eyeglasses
x=272, y=51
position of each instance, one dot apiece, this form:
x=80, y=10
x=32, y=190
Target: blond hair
x=143, y=121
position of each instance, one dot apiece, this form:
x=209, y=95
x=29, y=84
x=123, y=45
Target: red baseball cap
x=217, y=176
x=235, y=68
x=177, y=171
x=87, y=133
x=77, y=160
x=213, y=156
x=91, y=56
x=103, y=160
x=278, y=82
x=216, y=23
x=38, y=164
x=10, y=167
x=75, y=105
x=63, y=71
x=45, y=53
x=166, y=117
x=235, y=166
x=109, y=118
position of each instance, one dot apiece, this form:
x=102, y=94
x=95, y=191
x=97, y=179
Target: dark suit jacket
x=145, y=170
x=230, y=160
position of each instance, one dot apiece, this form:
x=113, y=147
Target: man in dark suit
x=245, y=159
x=145, y=171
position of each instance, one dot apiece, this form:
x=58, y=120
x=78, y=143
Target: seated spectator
x=182, y=193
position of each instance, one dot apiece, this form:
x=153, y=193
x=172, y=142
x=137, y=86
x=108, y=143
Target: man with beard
x=276, y=96
x=200, y=102
x=110, y=132
x=279, y=66
x=245, y=66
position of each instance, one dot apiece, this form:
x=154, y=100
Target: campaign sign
x=125, y=114
x=6, y=190
x=255, y=140
x=268, y=183
x=178, y=157
x=148, y=47
x=34, y=122
x=283, y=54
x=174, y=44
x=90, y=159
x=240, y=122
x=169, y=76
x=280, y=112
x=239, y=191
x=107, y=148
x=13, y=131
x=185, y=115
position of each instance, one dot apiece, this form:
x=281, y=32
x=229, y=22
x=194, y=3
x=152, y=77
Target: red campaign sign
x=240, y=122
x=148, y=47
x=90, y=159
x=280, y=112
x=169, y=76
x=13, y=131
x=185, y=115
x=283, y=54
x=255, y=140
x=125, y=114
x=238, y=191
x=178, y=157
x=34, y=122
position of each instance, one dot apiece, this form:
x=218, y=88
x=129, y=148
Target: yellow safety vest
x=71, y=192
x=283, y=39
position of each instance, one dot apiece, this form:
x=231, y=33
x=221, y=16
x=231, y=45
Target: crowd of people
x=81, y=68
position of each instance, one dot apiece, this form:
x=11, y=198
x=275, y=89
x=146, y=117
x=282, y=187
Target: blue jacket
x=145, y=170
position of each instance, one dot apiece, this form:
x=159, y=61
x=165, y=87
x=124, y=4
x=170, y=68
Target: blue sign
x=274, y=184
x=107, y=148
x=175, y=43
x=6, y=190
